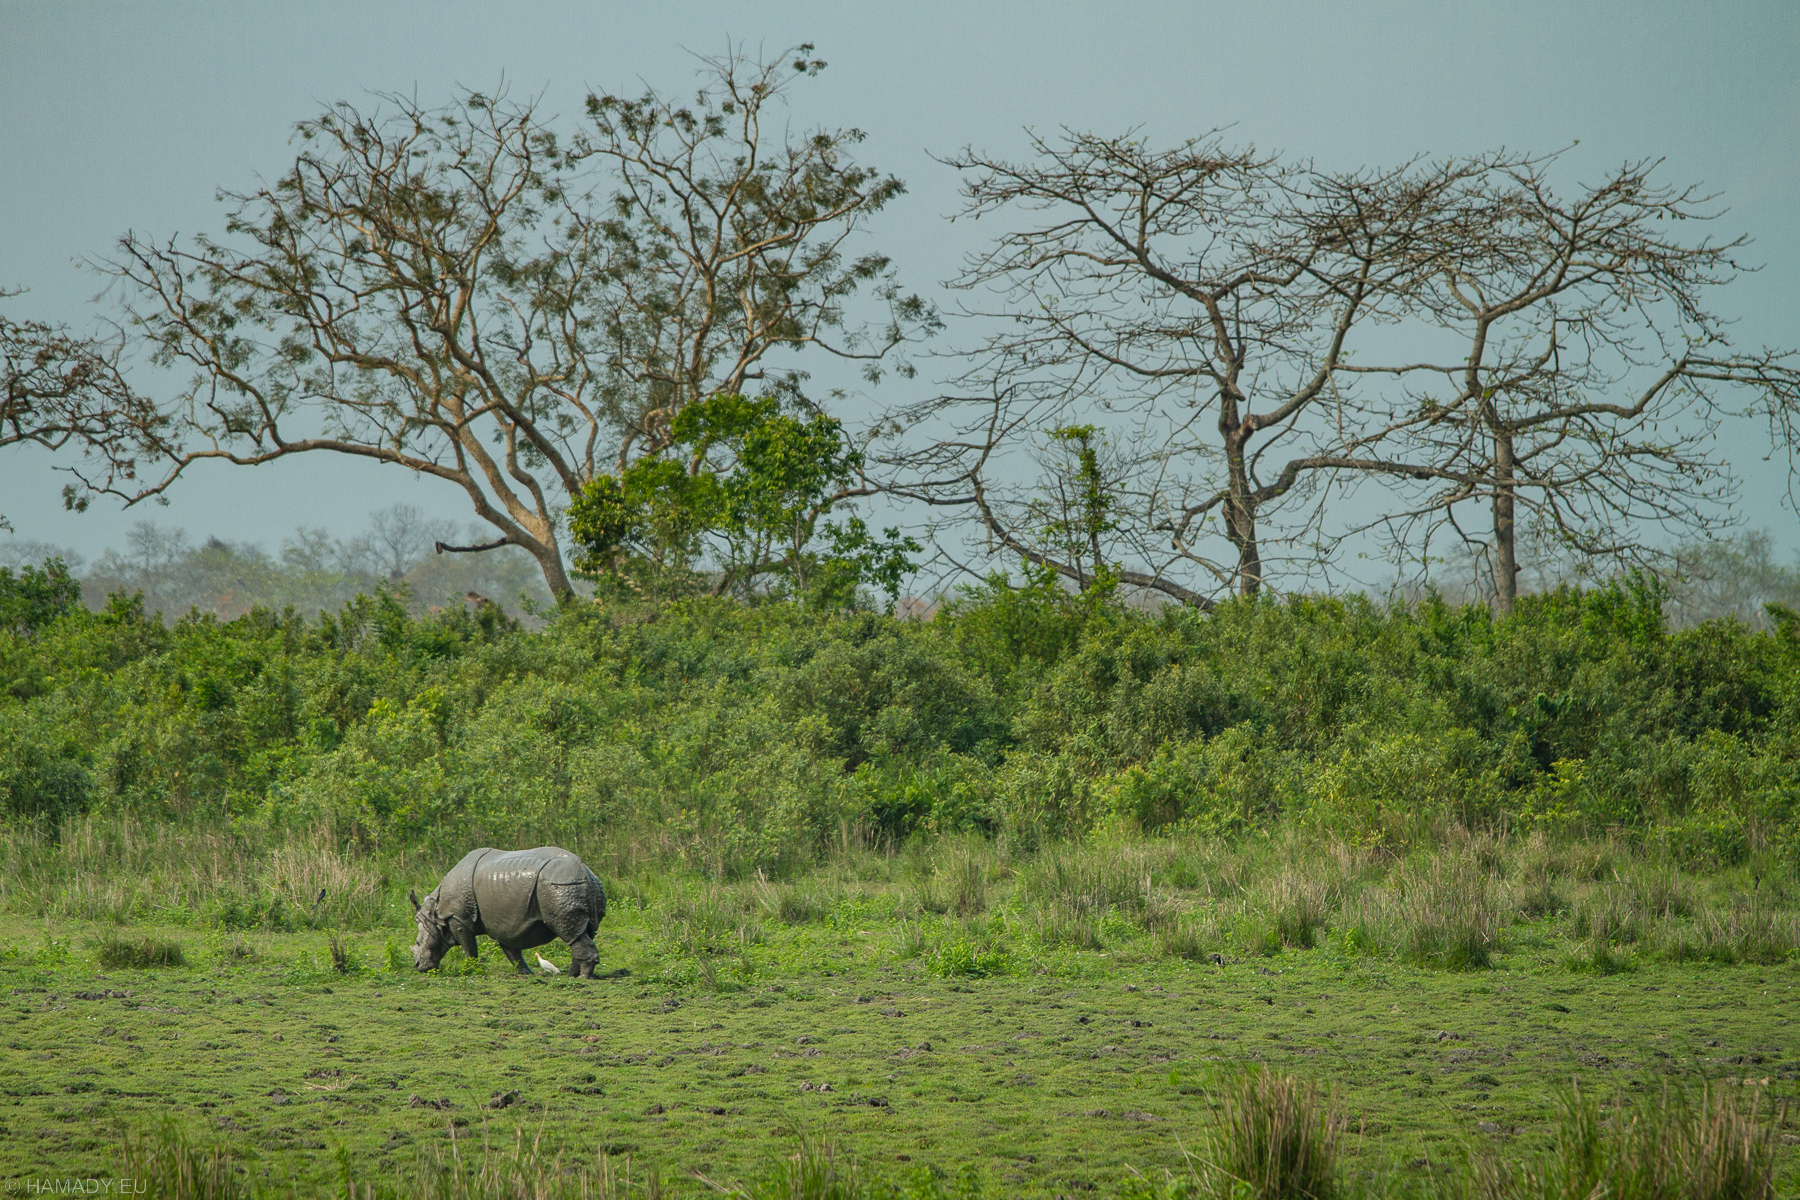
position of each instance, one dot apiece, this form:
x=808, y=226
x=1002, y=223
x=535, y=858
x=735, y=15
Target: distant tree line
x=312, y=572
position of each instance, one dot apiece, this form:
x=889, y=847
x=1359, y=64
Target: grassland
x=999, y=904
x=941, y=1011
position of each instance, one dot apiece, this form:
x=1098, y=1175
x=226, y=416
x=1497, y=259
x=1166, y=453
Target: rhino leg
x=585, y=956
x=516, y=959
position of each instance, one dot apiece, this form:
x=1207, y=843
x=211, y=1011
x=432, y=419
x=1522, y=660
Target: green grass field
x=1064, y=1075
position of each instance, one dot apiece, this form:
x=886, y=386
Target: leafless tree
x=401, y=535
x=1454, y=330
x=1581, y=375
x=460, y=292
x=61, y=390
x=1205, y=302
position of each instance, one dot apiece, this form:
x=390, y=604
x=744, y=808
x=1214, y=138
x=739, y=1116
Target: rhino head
x=434, y=932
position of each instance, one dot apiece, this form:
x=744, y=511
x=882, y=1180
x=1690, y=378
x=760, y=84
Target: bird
x=549, y=967
x=319, y=899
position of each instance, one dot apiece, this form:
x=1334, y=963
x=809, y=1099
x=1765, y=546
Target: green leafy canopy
x=746, y=486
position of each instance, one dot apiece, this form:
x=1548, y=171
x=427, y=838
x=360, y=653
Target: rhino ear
x=413, y=895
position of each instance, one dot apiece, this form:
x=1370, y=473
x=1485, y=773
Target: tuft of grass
x=1608, y=913
x=1751, y=930
x=1449, y=916
x=1598, y=956
x=813, y=1170
x=140, y=953
x=1191, y=936
x=961, y=958
x=1719, y=1148
x=1056, y=928
x=1275, y=1139
x=1539, y=898
x=709, y=918
x=166, y=1164
x=176, y=1168
x=1302, y=908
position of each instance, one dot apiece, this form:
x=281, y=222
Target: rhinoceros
x=520, y=898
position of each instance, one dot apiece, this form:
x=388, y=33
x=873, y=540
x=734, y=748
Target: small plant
x=54, y=952
x=340, y=957
x=1275, y=1139
x=962, y=959
x=140, y=953
x=1600, y=957
x=399, y=958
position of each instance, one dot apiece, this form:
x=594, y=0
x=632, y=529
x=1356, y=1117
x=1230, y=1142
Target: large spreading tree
x=463, y=292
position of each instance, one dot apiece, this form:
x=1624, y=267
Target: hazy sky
x=116, y=117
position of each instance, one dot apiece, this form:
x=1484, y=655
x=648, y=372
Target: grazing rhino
x=520, y=898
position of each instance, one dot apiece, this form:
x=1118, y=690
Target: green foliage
x=961, y=958
x=1077, y=512
x=753, y=736
x=36, y=596
x=747, y=486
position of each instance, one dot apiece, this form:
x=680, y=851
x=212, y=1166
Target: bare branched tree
x=459, y=292
x=1584, y=378
x=1206, y=301
x=1269, y=336
x=59, y=390
x=722, y=247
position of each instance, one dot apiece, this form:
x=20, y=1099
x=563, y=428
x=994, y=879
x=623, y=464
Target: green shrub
x=961, y=958
x=759, y=736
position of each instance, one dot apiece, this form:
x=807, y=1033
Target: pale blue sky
x=116, y=117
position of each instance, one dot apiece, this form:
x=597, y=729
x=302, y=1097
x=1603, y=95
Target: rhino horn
x=413, y=895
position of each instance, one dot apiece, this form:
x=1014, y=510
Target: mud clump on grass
x=140, y=953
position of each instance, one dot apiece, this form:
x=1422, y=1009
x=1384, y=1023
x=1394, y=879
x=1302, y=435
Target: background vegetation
x=748, y=738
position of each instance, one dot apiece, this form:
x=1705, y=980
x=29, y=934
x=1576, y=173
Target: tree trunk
x=1240, y=523
x=1506, y=561
x=555, y=576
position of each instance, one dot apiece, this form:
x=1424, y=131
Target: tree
x=36, y=596
x=1737, y=579
x=58, y=389
x=1588, y=377
x=1173, y=289
x=757, y=510
x=460, y=292
x=1258, y=335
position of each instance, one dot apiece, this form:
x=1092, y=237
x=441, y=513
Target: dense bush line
x=742, y=738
